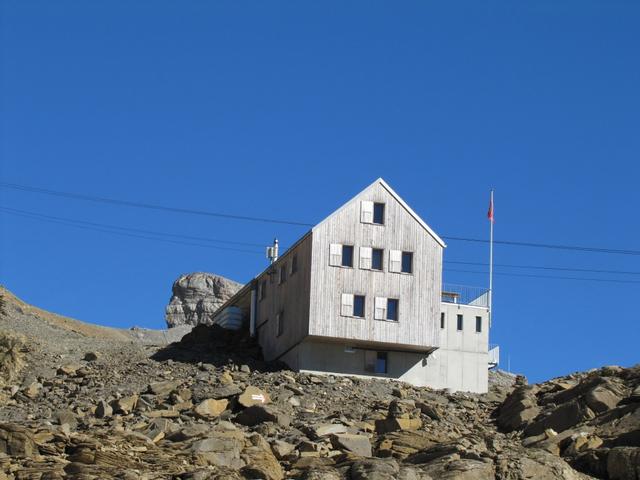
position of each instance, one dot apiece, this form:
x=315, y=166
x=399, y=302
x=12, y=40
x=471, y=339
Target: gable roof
x=397, y=197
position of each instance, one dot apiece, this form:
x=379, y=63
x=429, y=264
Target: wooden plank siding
x=418, y=293
x=292, y=298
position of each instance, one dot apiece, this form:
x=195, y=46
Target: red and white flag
x=490, y=212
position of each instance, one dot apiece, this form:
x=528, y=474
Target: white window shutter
x=395, y=260
x=380, y=312
x=335, y=254
x=365, y=257
x=366, y=211
x=346, y=307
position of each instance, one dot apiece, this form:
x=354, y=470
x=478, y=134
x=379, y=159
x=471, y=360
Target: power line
x=135, y=230
x=540, y=267
x=135, y=233
x=126, y=234
x=148, y=206
x=546, y=276
x=547, y=245
x=75, y=196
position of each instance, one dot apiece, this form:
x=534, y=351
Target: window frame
x=294, y=264
x=279, y=323
x=397, y=310
x=262, y=290
x=373, y=253
x=364, y=306
x=443, y=320
x=376, y=209
x=282, y=276
x=402, y=257
x=352, y=247
x=478, y=324
x=385, y=371
x=460, y=322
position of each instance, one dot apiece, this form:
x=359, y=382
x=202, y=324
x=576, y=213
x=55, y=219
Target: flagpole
x=491, y=261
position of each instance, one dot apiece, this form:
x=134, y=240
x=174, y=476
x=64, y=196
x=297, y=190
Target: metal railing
x=465, y=295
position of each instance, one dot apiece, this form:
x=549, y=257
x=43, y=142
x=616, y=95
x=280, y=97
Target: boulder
x=223, y=450
x=91, y=356
x=282, y=449
x=326, y=429
x=125, y=405
x=253, y=396
x=103, y=410
x=32, y=390
x=623, y=463
x=561, y=418
x=163, y=388
x=66, y=417
x=357, y=444
x=69, y=369
x=518, y=409
x=261, y=464
x=196, y=297
x=17, y=441
x=210, y=408
x=262, y=413
x=601, y=399
x=393, y=424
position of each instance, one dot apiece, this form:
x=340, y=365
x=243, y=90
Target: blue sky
x=287, y=109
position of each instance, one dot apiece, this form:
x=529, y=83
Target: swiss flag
x=490, y=212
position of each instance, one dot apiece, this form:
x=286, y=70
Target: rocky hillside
x=196, y=297
x=208, y=407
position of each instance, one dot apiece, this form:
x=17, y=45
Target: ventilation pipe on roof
x=272, y=252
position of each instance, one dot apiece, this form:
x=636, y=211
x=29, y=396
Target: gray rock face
x=196, y=297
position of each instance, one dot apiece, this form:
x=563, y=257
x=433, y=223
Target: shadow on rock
x=214, y=345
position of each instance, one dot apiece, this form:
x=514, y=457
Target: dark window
x=442, y=317
x=381, y=362
x=478, y=324
x=392, y=309
x=347, y=255
x=263, y=289
x=283, y=273
x=294, y=264
x=280, y=324
x=378, y=213
x=358, y=306
x=376, y=258
x=407, y=262
x=460, y=319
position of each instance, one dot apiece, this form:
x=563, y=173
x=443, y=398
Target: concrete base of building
x=455, y=370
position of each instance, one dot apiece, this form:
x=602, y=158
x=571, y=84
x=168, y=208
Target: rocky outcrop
x=210, y=408
x=196, y=297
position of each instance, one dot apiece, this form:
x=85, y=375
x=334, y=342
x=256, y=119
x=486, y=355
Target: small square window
x=358, y=306
x=392, y=309
x=294, y=264
x=283, y=273
x=478, y=324
x=460, y=322
x=376, y=258
x=378, y=213
x=347, y=255
x=407, y=262
x=381, y=362
x=442, y=319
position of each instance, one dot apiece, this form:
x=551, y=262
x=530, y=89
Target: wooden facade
x=418, y=293
x=282, y=314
